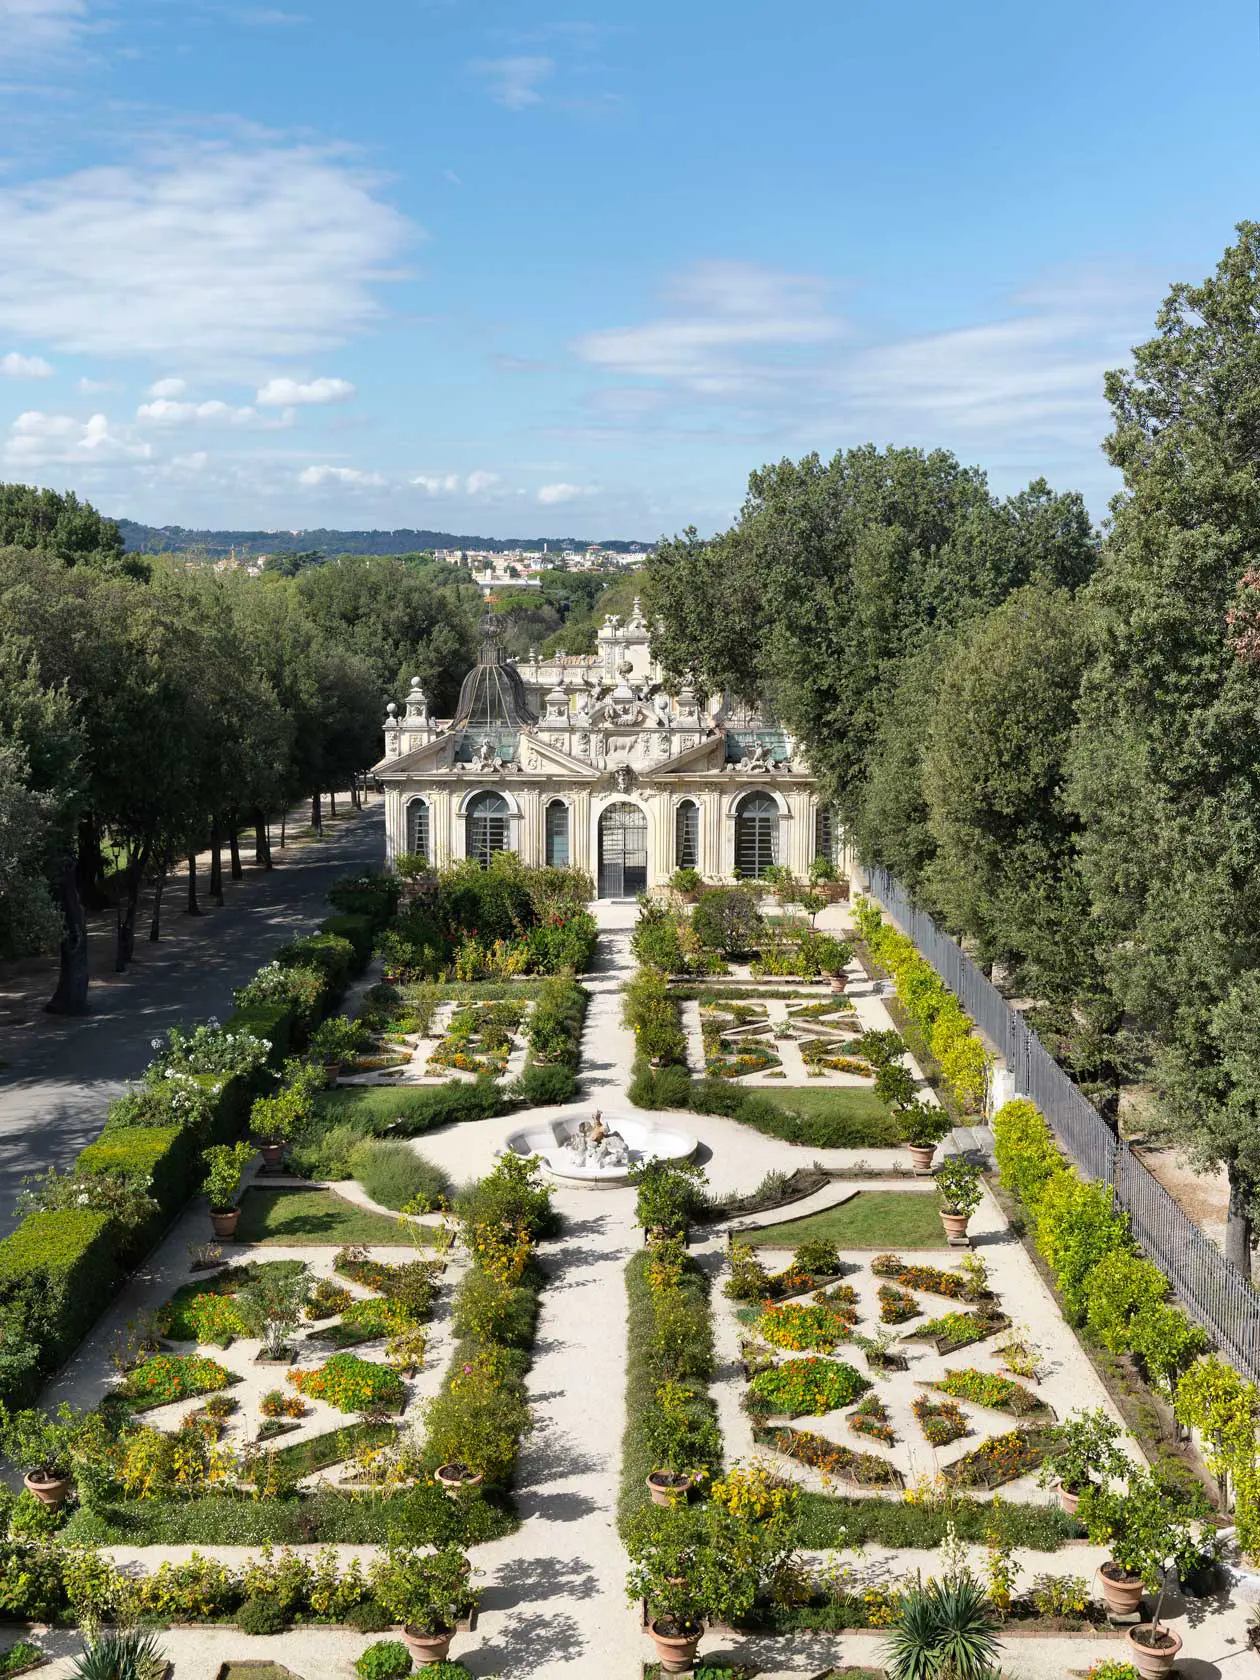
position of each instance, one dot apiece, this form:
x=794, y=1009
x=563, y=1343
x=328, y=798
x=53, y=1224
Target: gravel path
x=59, y=1075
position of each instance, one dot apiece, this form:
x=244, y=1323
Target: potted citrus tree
x=833, y=957
x=1084, y=1446
x=46, y=1445
x=225, y=1165
x=275, y=1122
x=924, y=1125
x=427, y=1593
x=1145, y=1527
x=670, y=1194
x=958, y=1187
x=690, y=1567
x=334, y=1042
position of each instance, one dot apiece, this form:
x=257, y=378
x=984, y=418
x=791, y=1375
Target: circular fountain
x=598, y=1151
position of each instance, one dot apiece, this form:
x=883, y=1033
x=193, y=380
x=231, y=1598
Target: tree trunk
x=90, y=868
x=234, y=850
x=332, y=803
x=159, y=886
x=71, y=994
x=262, y=840
x=128, y=909
x=216, y=861
x=317, y=814
x=1238, y=1224
x=355, y=801
x=194, y=909
x=284, y=823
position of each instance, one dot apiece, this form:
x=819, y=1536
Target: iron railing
x=1211, y=1290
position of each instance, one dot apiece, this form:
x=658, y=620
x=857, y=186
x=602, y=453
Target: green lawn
x=255, y=1669
x=822, y=1117
x=334, y=1446
x=840, y=1101
x=293, y=1218
x=880, y=1219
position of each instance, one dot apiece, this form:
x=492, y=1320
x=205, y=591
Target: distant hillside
x=158, y=539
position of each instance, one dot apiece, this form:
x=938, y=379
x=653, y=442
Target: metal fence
x=1211, y=1290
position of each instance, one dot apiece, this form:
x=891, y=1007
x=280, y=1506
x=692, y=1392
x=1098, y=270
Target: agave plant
x=945, y=1631
x=130, y=1655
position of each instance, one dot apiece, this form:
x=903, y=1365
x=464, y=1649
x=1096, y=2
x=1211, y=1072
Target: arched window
x=486, y=826
x=687, y=835
x=756, y=835
x=557, y=834
x=418, y=827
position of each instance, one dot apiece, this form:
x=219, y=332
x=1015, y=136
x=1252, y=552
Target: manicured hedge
x=66, y=1262
x=673, y=1087
x=326, y=951
x=380, y=1110
x=166, y=1158
x=358, y=931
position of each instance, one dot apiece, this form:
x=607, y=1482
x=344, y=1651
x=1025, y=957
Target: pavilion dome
x=492, y=695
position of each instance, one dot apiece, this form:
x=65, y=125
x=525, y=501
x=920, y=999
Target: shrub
x=541, y=1086
x=328, y=952
x=261, y=1614
x=64, y=1263
x=554, y=1027
x=513, y=1194
x=358, y=932
x=1025, y=1150
x=652, y=1015
x=388, y=1659
x=478, y=1420
x=1122, y=1284
x=667, y=1087
x=369, y=1617
x=1076, y=1226
x=395, y=1176
x=728, y=920
x=373, y=895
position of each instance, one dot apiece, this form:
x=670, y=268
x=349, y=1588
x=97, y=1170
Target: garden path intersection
x=553, y=1599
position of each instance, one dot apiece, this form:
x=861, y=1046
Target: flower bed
x=172, y=1376
x=999, y=1394
x=862, y=1469
x=895, y=1305
x=1000, y=1459
x=351, y=1384
x=821, y=1054
x=940, y=1420
x=804, y=1388
x=797, y=1326
x=931, y=1279
x=870, y=1417
x=732, y=1061
x=960, y=1329
x=479, y=1038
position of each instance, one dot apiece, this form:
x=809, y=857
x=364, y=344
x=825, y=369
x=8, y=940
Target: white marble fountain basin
x=549, y=1139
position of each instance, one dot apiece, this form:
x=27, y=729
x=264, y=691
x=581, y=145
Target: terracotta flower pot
x=455, y=1477
x=668, y=1487
x=955, y=1224
x=838, y=984
x=225, y=1223
x=1068, y=1501
x=427, y=1647
x=51, y=1491
x=922, y=1155
x=272, y=1154
x=675, y=1652
x=1122, y=1592
x=1153, y=1661
x=331, y=1070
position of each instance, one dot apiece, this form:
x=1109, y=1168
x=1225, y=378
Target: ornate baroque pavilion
x=586, y=760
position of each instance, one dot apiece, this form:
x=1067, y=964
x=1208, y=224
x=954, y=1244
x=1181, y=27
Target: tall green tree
x=62, y=525
x=1165, y=770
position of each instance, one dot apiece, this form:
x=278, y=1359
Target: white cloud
x=478, y=483
x=278, y=392
x=37, y=439
x=90, y=387
x=764, y=353
x=167, y=388
x=166, y=412
x=222, y=255
x=16, y=366
x=514, y=82
x=37, y=26
x=551, y=495
x=338, y=475
x=437, y=483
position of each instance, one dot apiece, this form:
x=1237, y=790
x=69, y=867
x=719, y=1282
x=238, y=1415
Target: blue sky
x=499, y=268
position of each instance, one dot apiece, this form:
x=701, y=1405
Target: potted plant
x=1083, y=1446
x=690, y=1567
x=668, y=1437
x=924, y=1125
x=1198, y=1566
x=958, y=1187
x=427, y=1593
x=275, y=1121
x=687, y=883
x=46, y=1444
x=833, y=957
x=1145, y=1527
x=225, y=1168
x=334, y=1042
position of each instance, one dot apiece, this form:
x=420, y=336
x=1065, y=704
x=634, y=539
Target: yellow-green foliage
x=1026, y=1152
x=1077, y=1225
x=1225, y=1408
x=951, y=1036
x=1120, y=1286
